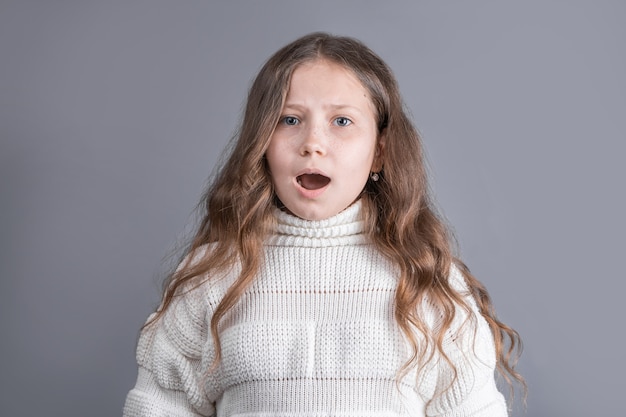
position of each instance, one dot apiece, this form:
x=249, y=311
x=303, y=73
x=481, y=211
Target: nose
x=313, y=143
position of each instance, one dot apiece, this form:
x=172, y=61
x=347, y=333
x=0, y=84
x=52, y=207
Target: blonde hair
x=401, y=218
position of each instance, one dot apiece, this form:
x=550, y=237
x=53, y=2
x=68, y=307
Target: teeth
x=299, y=180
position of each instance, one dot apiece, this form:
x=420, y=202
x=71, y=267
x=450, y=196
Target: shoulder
x=195, y=257
x=207, y=283
x=185, y=321
x=433, y=307
x=456, y=279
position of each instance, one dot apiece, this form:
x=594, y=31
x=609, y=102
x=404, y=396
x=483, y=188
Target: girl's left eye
x=343, y=121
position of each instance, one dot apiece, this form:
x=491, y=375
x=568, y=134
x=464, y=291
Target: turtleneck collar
x=345, y=228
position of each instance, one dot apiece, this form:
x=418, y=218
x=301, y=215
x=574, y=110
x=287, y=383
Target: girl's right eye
x=290, y=120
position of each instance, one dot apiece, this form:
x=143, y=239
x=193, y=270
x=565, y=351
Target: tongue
x=313, y=181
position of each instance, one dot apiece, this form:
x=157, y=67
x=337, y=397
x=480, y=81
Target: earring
x=374, y=176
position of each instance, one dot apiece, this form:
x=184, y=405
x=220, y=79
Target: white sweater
x=314, y=336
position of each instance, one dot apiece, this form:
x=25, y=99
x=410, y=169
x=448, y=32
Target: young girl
x=320, y=281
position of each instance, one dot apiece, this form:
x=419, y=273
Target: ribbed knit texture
x=315, y=335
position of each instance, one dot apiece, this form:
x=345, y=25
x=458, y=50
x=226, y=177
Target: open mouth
x=312, y=181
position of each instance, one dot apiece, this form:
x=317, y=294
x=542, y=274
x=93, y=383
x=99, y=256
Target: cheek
x=273, y=157
x=358, y=170
x=364, y=160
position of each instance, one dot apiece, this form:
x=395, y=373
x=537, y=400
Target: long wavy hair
x=402, y=222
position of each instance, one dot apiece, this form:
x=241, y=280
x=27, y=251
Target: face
x=326, y=142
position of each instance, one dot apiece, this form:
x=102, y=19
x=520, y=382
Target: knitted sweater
x=315, y=335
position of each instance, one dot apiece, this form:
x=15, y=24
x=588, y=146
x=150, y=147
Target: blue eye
x=290, y=120
x=343, y=121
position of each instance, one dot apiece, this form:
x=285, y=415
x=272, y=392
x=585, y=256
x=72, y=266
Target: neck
x=347, y=227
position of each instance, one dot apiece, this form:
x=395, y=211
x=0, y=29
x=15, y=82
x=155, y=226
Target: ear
x=379, y=154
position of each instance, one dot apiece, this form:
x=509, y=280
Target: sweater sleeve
x=469, y=345
x=174, y=355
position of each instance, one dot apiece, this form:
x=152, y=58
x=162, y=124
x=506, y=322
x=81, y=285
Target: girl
x=320, y=281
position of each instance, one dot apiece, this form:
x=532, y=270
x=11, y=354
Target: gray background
x=113, y=113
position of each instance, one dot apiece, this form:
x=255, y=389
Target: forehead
x=327, y=80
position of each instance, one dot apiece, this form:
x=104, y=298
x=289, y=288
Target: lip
x=311, y=171
x=310, y=193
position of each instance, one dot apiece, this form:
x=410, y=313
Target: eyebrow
x=301, y=107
